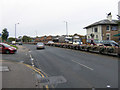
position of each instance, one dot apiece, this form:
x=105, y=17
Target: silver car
x=40, y=45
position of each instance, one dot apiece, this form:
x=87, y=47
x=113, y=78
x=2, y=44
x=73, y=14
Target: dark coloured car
x=20, y=43
x=5, y=48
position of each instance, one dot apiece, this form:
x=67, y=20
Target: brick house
x=81, y=37
x=104, y=29
x=44, y=38
x=49, y=38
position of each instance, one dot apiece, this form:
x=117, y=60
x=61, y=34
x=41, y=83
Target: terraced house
x=104, y=29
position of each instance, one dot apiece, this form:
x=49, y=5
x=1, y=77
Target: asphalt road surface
x=80, y=69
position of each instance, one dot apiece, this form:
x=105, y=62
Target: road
x=80, y=69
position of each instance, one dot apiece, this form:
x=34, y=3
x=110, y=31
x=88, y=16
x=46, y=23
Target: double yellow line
x=39, y=72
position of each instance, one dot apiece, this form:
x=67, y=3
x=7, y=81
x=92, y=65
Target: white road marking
x=29, y=51
x=32, y=59
x=30, y=56
x=83, y=65
x=108, y=86
x=33, y=65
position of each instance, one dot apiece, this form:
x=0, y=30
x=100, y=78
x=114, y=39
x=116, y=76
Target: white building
x=103, y=30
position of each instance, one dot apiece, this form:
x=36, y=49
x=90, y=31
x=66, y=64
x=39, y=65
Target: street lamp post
x=15, y=31
x=66, y=27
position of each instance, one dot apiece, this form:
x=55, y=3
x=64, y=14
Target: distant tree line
x=5, y=35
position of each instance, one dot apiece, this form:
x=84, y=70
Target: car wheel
x=7, y=52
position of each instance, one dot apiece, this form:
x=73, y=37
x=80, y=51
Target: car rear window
x=40, y=44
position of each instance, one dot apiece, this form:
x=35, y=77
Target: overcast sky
x=46, y=17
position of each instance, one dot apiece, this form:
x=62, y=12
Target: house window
x=108, y=36
x=114, y=28
x=107, y=28
x=96, y=36
x=92, y=29
x=96, y=30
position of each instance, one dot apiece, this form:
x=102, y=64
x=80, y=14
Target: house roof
x=103, y=22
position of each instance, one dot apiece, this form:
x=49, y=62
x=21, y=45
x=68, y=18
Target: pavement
x=17, y=75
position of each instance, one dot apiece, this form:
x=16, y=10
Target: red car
x=5, y=48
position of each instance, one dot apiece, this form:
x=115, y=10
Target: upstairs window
x=114, y=28
x=108, y=28
x=96, y=30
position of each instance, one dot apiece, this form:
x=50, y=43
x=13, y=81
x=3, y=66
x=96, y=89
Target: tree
x=5, y=34
x=19, y=39
x=11, y=39
x=26, y=39
x=92, y=35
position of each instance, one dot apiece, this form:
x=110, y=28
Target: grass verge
x=14, y=46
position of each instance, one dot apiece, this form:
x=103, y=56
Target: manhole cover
x=52, y=80
x=4, y=68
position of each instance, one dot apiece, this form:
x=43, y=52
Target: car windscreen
x=6, y=45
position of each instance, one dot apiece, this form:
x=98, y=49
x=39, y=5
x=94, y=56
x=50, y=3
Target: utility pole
x=15, y=31
x=66, y=23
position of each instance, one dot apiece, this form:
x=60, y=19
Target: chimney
x=109, y=16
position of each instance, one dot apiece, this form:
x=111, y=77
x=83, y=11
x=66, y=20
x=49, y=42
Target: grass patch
x=14, y=46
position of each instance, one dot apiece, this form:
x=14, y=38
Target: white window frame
x=96, y=36
x=109, y=28
x=109, y=36
x=94, y=29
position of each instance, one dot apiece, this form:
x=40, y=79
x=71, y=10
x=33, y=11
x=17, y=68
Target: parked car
x=5, y=48
x=110, y=42
x=50, y=42
x=40, y=45
x=20, y=43
x=103, y=42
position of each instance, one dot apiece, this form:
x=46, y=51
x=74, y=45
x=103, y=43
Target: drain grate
x=4, y=69
x=52, y=80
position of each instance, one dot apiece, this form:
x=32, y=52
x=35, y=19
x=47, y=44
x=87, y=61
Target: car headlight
x=10, y=48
